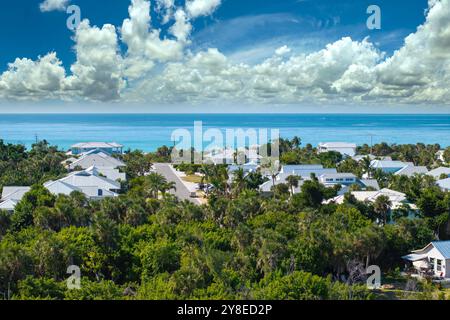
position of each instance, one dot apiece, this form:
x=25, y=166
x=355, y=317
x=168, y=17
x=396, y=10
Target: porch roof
x=414, y=257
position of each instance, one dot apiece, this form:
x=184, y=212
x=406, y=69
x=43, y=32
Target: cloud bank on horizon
x=161, y=69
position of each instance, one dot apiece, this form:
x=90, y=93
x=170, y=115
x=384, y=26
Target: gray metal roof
x=439, y=171
x=14, y=192
x=370, y=183
x=411, y=170
x=444, y=184
x=100, y=145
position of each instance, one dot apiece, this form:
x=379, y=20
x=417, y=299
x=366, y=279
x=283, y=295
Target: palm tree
x=154, y=183
x=292, y=182
x=296, y=142
x=366, y=163
x=382, y=206
x=239, y=181
x=168, y=186
x=271, y=168
x=205, y=171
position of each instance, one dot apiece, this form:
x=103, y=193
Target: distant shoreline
x=147, y=132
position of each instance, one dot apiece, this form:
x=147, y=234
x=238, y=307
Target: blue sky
x=242, y=32
x=25, y=31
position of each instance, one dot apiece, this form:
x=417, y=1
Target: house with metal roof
x=98, y=158
x=444, y=184
x=305, y=171
x=11, y=196
x=102, y=161
x=89, y=182
x=433, y=260
x=344, y=148
x=338, y=178
x=438, y=172
x=397, y=199
x=410, y=171
x=389, y=166
x=109, y=147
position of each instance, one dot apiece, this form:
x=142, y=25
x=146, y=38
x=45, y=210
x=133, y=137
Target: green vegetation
x=146, y=244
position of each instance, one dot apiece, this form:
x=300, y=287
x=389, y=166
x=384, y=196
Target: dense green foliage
x=146, y=244
x=21, y=168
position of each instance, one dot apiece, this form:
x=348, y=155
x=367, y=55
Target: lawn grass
x=192, y=178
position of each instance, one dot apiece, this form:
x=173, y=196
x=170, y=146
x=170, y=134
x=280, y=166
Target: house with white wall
x=389, y=166
x=83, y=147
x=338, y=178
x=410, y=171
x=440, y=172
x=305, y=170
x=344, y=148
x=440, y=155
x=433, y=260
x=89, y=182
x=398, y=199
x=102, y=161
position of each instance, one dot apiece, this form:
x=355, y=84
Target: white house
x=434, y=259
x=338, y=178
x=438, y=172
x=361, y=157
x=398, y=199
x=88, y=182
x=344, y=148
x=410, y=171
x=440, y=155
x=109, y=147
x=220, y=156
x=11, y=197
x=266, y=187
x=390, y=166
x=444, y=184
x=305, y=171
x=247, y=167
x=103, y=162
x=98, y=158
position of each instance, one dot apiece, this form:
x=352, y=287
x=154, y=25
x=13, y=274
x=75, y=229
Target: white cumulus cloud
x=54, y=5
x=160, y=67
x=197, y=8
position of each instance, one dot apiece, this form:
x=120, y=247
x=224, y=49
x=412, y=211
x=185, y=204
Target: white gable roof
x=411, y=170
x=436, y=173
x=99, y=159
x=397, y=198
x=14, y=193
x=337, y=145
x=59, y=187
x=444, y=184
x=99, y=145
x=389, y=164
x=89, y=178
x=8, y=205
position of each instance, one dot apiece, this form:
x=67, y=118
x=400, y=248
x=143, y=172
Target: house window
x=439, y=265
x=100, y=192
x=432, y=263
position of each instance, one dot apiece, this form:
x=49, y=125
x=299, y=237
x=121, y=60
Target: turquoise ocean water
x=149, y=131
